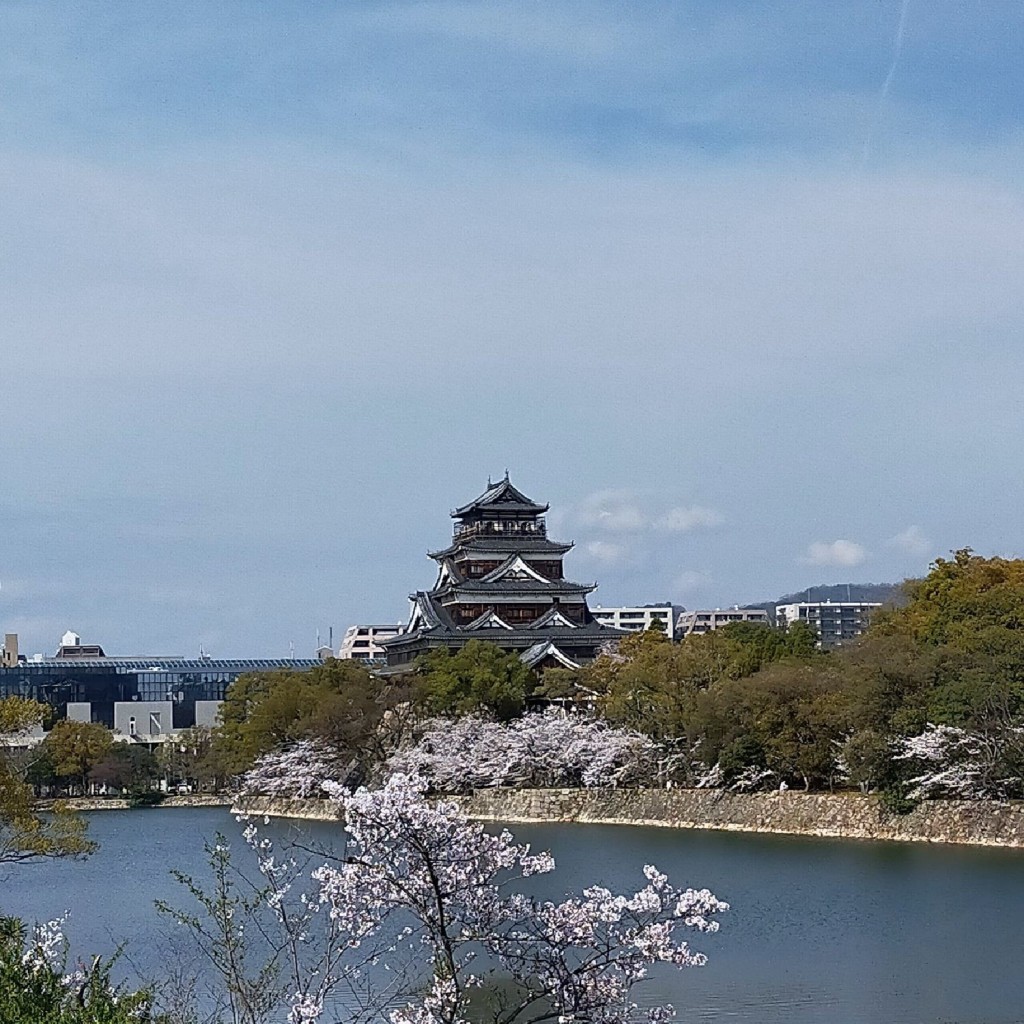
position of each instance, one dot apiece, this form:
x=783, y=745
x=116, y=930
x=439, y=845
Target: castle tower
x=501, y=580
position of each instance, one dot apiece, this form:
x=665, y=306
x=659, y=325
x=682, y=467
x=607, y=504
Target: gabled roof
x=500, y=497
x=546, y=649
x=426, y=615
x=489, y=620
x=447, y=575
x=553, y=617
x=514, y=568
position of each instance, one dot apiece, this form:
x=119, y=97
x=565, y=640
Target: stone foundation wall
x=276, y=807
x=845, y=816
x=116, y=803
x=848, y=816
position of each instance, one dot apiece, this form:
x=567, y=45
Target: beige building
x=636, y=619
x=706, y=620
x=363, y=642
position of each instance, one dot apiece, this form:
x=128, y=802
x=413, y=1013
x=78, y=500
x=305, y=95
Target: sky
x=736, y=287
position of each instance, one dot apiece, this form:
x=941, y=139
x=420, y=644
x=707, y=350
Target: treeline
x=929, y=703
x=87, y=758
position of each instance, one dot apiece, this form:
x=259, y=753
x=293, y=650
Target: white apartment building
x=707, y=619
x=834, y=621
x=363, y=642
x=637, y=619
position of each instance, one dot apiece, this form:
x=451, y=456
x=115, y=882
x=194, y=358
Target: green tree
x=477, y=677
x=790, y=717
x=127, y=767
x=190, y=757
x=652, y=685
x=75, y=748
x=338, y=701
x=24, y=833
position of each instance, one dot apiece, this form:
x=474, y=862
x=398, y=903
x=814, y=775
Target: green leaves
x=479, y=677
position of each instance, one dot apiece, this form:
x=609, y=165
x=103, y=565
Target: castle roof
x=499, y=498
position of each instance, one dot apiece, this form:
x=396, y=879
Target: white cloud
x=682, y=519
x=616, y=511
x=911, y=541
x=605, y=552
x=690, y=579
x=843, y=553
x=622, y=511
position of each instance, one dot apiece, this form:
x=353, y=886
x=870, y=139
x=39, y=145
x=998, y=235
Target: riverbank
x=116, y=803
x=837, y=816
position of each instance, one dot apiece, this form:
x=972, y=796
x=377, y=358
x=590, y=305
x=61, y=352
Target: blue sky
x=736, y=287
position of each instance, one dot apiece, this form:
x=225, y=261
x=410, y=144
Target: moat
x=820, y=931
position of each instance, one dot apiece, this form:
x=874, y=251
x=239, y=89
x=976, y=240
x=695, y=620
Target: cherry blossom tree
x=429, y=905
x=957, y=763
x=293, y=772
x=547, y=749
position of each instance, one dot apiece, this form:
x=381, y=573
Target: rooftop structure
x=835, y=622
x=705, y=620
x=501, y=580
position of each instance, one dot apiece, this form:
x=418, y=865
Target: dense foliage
x=24, y=833
x=39, y=986
x=750, y=704
x=338, y=702
x=479, y=678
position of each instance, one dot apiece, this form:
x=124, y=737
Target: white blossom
x=428, y=862
x=295, y=771
x=549, y=749
x=957, y=763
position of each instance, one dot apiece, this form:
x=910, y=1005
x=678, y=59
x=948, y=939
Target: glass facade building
x=103, y=682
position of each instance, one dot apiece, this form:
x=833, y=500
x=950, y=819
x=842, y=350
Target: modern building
x=365, y=643
x=705, y=620
x=637, y=619
x=835, y=622
x=142, y=696
x=501, y=580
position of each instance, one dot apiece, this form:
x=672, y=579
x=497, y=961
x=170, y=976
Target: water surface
x=821, y=930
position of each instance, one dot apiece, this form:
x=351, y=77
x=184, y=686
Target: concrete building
x=637, y=619
x=835, y=622
x=363, y=643
x=706, y=620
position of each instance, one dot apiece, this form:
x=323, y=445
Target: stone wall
x=849, y=816
x=116, y=803
x=277, y=807
x=846, y=816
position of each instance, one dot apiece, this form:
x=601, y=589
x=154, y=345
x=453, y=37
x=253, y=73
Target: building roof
x=481, y=589
x=489, y=546
x=546, y=649
x=429, y=617
x=133, y=665
x=498, y=498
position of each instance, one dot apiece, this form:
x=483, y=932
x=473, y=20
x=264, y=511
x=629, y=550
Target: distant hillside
x=886, y=593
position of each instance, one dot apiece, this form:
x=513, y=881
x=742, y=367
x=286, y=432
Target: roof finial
x=489, y=484
x=506, y=474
